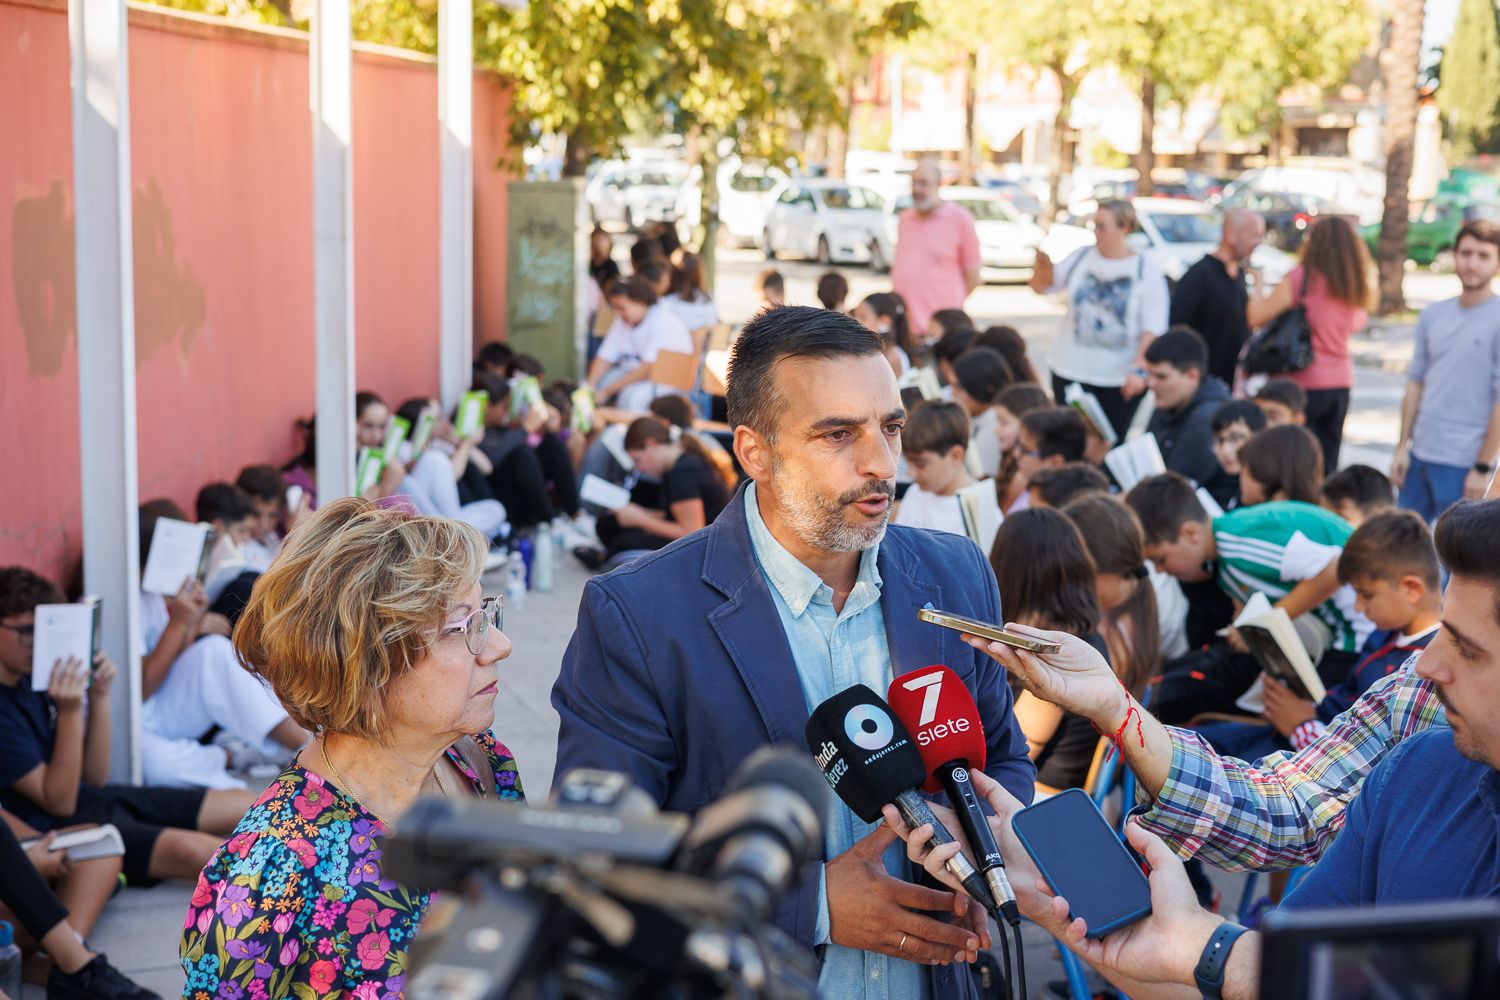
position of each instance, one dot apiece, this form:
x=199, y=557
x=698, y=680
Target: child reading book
x=943, y=495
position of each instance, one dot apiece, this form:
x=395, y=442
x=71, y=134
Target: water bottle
x=545, y=561
x=515, y=582
x=10, y=961
x=527, y=548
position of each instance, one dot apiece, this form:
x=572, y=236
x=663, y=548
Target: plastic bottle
x=545, y=561
x=10, y=961
x=527, y=549
x=515, y=582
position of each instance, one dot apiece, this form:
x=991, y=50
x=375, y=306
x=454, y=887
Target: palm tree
x=1400, y=65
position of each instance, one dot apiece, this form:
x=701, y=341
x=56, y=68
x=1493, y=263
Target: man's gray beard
x=819, y=524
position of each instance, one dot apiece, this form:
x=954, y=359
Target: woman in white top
x=943, y=495
x=689, y=300
x=621, y=371
x=1117, y=304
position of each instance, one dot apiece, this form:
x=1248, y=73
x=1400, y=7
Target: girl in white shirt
x=943, y=495
x=621, y=370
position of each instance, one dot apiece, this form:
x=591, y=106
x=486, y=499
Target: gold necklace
x=344, y=784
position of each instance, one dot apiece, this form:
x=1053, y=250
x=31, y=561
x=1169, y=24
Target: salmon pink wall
x=222, y=202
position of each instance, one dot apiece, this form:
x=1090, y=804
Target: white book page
x=62, y=631
x=606, y=494
x=176, y=553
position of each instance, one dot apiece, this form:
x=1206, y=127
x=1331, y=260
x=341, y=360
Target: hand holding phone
x=987, y=630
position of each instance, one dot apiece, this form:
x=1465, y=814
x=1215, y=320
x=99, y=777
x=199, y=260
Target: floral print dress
x=294, y=904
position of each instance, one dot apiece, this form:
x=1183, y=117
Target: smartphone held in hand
x=987, y=630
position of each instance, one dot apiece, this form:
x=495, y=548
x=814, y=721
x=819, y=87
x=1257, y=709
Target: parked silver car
x=636, y=194
x=828, y=220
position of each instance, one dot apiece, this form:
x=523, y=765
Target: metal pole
x=456, y=170
x=333, y=243
x=97, y=34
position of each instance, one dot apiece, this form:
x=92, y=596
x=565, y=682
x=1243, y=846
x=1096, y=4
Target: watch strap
x=1483, y=468
x=1209, y=973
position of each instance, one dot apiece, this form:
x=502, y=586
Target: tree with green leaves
x=1469, y=93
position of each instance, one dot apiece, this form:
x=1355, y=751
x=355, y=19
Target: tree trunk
x=1145, y=160
x=575, y=156
x=841, y=133
x=708, y=194
x=1401, y=65
x=1062, y=149
x=969, y=160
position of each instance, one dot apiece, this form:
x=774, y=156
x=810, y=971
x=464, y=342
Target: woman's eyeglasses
x=476, y=627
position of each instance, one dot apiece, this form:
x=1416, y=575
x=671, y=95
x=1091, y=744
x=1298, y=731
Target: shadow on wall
x=171, y=307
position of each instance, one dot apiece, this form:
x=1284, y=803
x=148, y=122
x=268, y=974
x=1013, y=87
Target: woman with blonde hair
x=1334, y=285
x=372, y=630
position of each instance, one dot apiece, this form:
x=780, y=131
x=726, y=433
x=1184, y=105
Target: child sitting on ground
x=1057, y=485
x=1283, y=402
x=1392, y=566
x=1281, y=463
x=943, y=495
x=1357, y=493
x=1013, y=403
x=1286, y=549
x=1234, y=423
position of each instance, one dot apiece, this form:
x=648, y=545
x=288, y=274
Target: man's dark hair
x=644, y=251
x=778, y=335
x=224, y=502
x=1286, y=392
x=496, y=356
x=1484, y=230
x=1235, y=411
x=1059, y=484
x=1390, y=545
x=982, y=373
x=1182, y=348
x=1023, y=397
x=21, y=591
x=1057, y=430
x=263, y=482
x=1468, y=541
x=937, y=427
x=1164, y=504
x=833, y=290
x=770, y=280
x=1366, y=488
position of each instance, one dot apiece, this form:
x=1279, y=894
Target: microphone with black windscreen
x=870, y=759
x=938, y=710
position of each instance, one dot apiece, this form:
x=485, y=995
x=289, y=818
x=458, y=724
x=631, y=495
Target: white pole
x=97, y=34
x=333, y=243
x=456, y=167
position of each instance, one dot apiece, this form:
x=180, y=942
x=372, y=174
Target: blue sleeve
x=1007, y=756
x=606, y=700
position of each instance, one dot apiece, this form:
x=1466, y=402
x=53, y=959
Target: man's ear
x=753, y=452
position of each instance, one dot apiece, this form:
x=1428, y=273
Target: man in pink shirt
x=937, y=251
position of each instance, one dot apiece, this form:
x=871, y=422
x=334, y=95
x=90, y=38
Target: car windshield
x=851, y=197
x=1178, y=227
x=987, y=209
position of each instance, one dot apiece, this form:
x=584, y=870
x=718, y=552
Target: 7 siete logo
x=928, y=729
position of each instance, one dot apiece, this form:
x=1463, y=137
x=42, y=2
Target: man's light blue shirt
x=833, y=651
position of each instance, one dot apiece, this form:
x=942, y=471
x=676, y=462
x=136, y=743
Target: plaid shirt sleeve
x=1283, y=811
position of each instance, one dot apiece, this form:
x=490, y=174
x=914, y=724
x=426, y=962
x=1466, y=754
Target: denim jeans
x=1431, y=488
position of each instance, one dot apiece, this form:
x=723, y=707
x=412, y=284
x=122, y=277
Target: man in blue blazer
x=687, y=661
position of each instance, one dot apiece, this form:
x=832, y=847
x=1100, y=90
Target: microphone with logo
x=870, y=759
x=938, y=709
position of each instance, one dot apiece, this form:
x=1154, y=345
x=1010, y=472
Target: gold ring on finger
x=902, y=945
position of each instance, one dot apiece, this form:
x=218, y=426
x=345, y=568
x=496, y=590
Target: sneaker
x=96, y=981
x=591, y=557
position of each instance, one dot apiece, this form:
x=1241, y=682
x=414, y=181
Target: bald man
x=1211, y=296
x=937, y=251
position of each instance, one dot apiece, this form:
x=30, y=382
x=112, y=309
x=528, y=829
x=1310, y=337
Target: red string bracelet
x=1119, y=734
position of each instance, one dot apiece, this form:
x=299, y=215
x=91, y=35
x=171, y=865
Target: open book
x=92, y=842
x=367, y=473
x=396, y=431
x=1135, y=460
x=63, y=631
x=471, y=413
x=1087, y=404
x=1274, y=643
x=179, y=552
x=605, y=494
x=980, y=513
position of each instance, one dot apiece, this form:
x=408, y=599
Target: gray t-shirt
x=1457, y=360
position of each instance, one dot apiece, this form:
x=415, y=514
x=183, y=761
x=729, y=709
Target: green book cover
x=395, y=436
x=422, y=433
x=471, y=413
x=583, y=410
x=525, y=396
x=371, y=465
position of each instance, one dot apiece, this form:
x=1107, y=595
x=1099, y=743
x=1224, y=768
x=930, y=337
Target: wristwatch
x=1209, y=974
x=1483, y=468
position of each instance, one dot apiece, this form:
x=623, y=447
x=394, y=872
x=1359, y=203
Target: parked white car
x=637, y=194
x=1174, y=232
x=1007, y=241
x=829, y=220
x=745, y=193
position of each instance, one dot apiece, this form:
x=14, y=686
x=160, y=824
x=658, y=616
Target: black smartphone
x=1083, y=860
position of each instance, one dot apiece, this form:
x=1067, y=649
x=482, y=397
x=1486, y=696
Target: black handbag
x=1284, y=344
